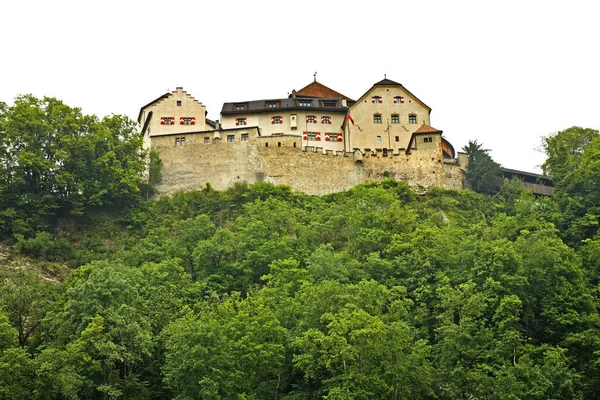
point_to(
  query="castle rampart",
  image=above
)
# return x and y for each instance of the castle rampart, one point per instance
(223, 157)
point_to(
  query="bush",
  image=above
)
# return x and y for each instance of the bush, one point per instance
(44, 245)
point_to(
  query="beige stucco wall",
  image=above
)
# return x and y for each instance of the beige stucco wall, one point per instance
(364, 133)
(263, 120)
(190, 107)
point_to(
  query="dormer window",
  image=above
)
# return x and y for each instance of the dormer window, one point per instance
(398, 99)
(304, 103)
(272, 104)
(330, 103)
(240, 121)
(239, 107)
(376, 99)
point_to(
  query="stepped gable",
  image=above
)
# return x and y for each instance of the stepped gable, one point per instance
(162, 97)
(316, 89)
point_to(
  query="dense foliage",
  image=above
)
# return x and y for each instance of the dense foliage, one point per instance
(483, 173)
(574, 165)
(55, 161)
(259, 292)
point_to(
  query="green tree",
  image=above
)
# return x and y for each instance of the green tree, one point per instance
(26, 297)
(573, 163)
(54, 160)
(8, 334)
(232, 349)
(483, 173)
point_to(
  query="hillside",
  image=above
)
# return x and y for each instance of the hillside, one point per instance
(261, 292)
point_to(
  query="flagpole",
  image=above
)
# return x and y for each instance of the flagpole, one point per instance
(348, 125)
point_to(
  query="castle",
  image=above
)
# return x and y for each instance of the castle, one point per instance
(315, 140)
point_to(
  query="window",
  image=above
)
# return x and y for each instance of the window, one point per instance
(304, 103)
(311, 136)
(180, 141)
(230, 138)
(187, 121)
(395, 119)
(326, 120)
(376, 119)
(378, 139)
(178, 103)
(330, 103)
(240, 121)
(277, 134)
(272, 104)
(398, 99)
(206, 140)
(167, 120)
(412, 119)
(311, 119)
(376, 99)
(428, 140)
(397, 138)
(333, 137)
(239, 107)
(244, 137)
(277, 120)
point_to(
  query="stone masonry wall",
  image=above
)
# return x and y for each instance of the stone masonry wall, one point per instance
(283, 160)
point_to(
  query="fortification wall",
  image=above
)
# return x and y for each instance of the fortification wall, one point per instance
(217, 162)
(284, 160)
(455, 172)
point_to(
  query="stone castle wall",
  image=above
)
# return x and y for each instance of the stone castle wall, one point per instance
(287, 160)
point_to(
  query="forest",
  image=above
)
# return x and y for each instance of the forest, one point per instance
(110, 291)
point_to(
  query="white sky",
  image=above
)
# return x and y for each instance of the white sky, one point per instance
(504, 73)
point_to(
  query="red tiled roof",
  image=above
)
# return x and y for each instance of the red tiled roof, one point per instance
(315, 89)
(427, 129)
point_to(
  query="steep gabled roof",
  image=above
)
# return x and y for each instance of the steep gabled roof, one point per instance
(316, 89)
(389, 82)
(164, 96)
(211, 123)
(423, 130)
(147, 122)
(427, 129)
